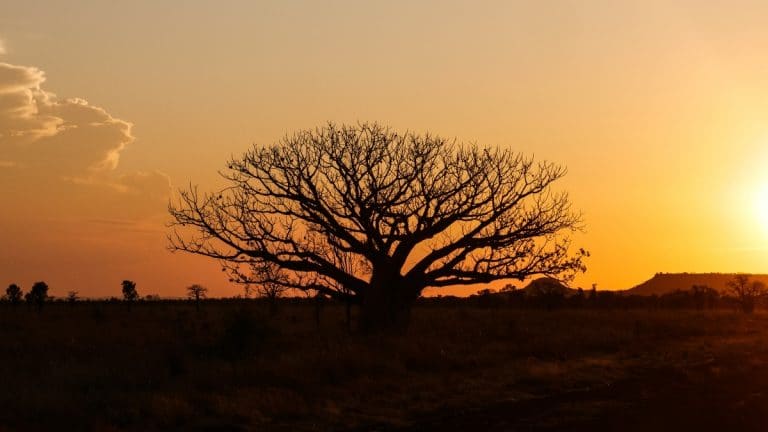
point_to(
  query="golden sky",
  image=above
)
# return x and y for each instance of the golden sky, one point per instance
(659, 109)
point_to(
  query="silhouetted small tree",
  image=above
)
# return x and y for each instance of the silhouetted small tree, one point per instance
(269, 279)
(747, 294)
(37, 295)
(486, 297)
(593, 293)
(129, 291)
(508, 288)
(72, 297)
(13, 294)
(197, 292)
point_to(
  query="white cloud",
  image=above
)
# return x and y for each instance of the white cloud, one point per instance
(68, 137)
(53, 142)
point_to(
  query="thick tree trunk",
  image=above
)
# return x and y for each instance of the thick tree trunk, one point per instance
(348, 314)
(386, 305)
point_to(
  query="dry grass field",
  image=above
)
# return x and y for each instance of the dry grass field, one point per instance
(234, 366)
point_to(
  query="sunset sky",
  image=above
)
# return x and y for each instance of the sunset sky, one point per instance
(659, 109)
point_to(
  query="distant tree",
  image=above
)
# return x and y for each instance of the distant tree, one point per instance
(593, 293)
(72, 297)
(485, 298)
(197, 292)
(37, 295)
(486, 292)
(129, 291)
(268, 279)
(13, 293)
(508, 288)
(747, 293)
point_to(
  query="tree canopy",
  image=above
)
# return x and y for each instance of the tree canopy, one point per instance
(367, 213)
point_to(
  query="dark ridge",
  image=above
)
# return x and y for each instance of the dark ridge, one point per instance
(664, 283)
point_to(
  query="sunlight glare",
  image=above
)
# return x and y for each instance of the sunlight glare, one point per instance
(761, 204)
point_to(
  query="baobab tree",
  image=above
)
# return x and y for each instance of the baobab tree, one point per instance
(130, 294)
(365, 214)
(197, 293)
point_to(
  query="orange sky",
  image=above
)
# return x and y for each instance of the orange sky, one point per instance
(659, 109)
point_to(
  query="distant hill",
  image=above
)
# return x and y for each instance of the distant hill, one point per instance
(543, 286)
(663, 283)
(547, 285)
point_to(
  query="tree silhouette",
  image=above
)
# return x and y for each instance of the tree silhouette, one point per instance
(13, 293)
(197, 292)
(408, 211)
(72, 298)
(268, 278)
(129, 291)
(747, 294)
(37, 295)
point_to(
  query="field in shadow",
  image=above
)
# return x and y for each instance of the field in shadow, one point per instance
(236, 366)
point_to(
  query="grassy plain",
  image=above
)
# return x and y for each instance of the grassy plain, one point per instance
(234, 366)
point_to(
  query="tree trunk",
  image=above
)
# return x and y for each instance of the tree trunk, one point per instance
(386, 305)
(348, 314)
(748, 305)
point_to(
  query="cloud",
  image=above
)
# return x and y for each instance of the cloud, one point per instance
(2, 47)
(69, 147)
(73, 215)
(21, 100)
(66, 137)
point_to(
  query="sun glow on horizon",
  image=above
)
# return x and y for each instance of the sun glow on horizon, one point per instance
(761, 207)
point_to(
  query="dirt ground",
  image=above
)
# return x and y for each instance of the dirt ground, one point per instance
(235, 366)
(704, 383)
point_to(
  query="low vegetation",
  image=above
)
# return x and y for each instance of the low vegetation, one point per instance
(234, 365)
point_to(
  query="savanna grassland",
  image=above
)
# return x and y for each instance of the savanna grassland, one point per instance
(233, 365)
